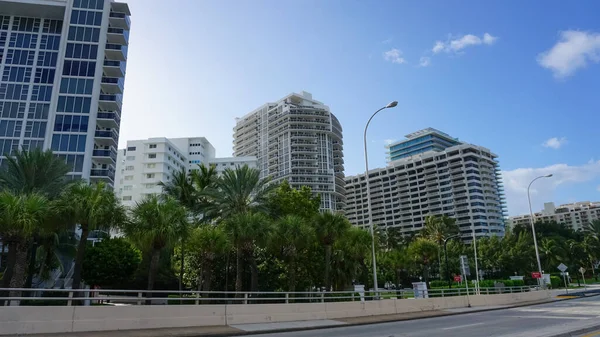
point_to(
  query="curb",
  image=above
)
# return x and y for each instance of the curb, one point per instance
(442, 314)
(578, 332)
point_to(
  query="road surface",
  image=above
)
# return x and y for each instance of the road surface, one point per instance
(532, 321)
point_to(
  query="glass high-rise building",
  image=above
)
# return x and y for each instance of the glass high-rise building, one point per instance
(62, 68)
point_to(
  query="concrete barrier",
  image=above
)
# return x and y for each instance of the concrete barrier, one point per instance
(30, 320)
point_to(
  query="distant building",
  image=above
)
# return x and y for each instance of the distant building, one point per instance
(432, 174)
(143, 164)
(575, 215)
(296, 139)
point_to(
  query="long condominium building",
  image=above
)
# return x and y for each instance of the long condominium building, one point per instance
(431, 173)
(143, 164)
(62, 67)
(575, 215)
(296, 139)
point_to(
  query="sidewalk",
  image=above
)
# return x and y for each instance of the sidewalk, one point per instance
(249, 329)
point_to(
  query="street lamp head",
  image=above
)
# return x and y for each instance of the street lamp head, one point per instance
(392, 104)
(548, 176)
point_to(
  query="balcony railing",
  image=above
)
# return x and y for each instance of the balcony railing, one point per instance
(107, 134)
(112, 153)
(103, 173)
(123, 16)
(115, 68)
(117, 81)
(119, 34)
(109, 115)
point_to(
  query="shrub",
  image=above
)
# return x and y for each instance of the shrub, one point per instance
(555, 281)
(438, 284)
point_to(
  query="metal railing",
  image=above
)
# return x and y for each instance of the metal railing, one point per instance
(69, 297)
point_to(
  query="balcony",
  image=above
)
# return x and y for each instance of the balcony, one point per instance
(119, 20)
(113, 85)
(110, 102)
(114, 68)
(106, 175)
(107, 137)
(108, 120)
(115, 52)
(105, 156)
(118, 36)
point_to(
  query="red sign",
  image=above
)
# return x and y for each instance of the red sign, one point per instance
(536, 274)
(457, 278)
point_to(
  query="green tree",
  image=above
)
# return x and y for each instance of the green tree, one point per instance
(206, 244)
(27, 172)
(348, 261)
(156, 223)
(422, 253)
(292, 235)
(111, 263)
(438, 228)
(20, 216)
(92, 207)
(248, 231)
(285, 200)
(551, 253)
(53, 245)
(329, 227)
(238, 191)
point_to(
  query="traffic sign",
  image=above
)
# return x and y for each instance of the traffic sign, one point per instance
(562, 267)
(536, 274)
(457, 278)
(582, 270)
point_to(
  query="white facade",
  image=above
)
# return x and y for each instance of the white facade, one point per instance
(299, 140)
(145, 163)
(575, 215)
(461, 181)
(62, 68)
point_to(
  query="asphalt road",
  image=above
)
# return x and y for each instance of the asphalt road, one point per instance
(533, 321)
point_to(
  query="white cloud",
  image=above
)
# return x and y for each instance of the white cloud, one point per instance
(555, 143)
(489, 39)
(394, 55)
(573, 51)
(458, 44)
(438, 47)
(424, 61)
(389, 141)
(516, 182)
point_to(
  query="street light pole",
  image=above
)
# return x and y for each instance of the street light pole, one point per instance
(390, 105)
(446, 257)
(537, 253)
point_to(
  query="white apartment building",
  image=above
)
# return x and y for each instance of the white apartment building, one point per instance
(62, 68)
(143, 164)
(457, 179)
(575, 215)
(296, 139)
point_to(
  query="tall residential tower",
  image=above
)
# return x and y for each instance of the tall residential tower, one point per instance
(62, 66)
(299, 140)
(432, 173)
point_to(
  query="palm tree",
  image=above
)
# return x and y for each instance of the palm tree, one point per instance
(593, 229)
(156, 223)
(349, 256)
(438, 228)
(551, 253)
(20, 216)
(238, 191)
(34, 171)
(208, 243)
(329, 227)
(26, 172)
(291, 236)
(247, 231)
(92, 207)
(422, 252)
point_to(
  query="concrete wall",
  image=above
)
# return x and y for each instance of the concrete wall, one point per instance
(30, 320)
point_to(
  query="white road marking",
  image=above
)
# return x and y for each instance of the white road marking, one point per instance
(551, 317)
(462, 326)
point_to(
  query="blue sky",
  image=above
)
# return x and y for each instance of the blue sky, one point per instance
(519, 77)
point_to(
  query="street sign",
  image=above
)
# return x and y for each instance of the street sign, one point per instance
(457, 278)
(582, 270)
(536, 274)
(464, 265)
(562, 267)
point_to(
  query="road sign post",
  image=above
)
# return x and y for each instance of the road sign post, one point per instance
(457, 278)
(536, 274)
(563, 269)
(464, 266)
